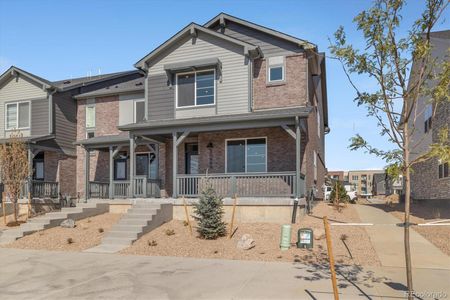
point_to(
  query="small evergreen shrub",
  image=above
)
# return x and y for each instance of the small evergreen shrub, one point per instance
(209, 213)
(170, 232)
(152, 243)
(341, 197)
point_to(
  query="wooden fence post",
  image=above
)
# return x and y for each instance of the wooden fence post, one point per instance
(331, 258)
(187, 215)
(232, 217)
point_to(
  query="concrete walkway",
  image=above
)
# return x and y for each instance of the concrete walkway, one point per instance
(31, 274)
(387, 239)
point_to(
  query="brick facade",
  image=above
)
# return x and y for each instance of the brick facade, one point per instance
(106, 122)
(292, 92)
(61, 168)
(425, 181)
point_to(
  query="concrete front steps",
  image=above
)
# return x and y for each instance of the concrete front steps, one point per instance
(141, 218)
(53, 219)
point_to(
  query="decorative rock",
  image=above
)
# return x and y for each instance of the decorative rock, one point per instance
(246, 242)
(68, 223)
(319, 234)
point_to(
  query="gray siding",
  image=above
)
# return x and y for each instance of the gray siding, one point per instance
(232, 93)
(17, 90)
(269, 44)
(161, 98)
(39, 117)
(65, 118)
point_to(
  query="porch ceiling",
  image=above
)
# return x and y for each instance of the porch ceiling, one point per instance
(259, 119)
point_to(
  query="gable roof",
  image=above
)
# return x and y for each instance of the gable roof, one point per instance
(68, 84)
(222, 17)
(191, 29)
(14, 71)
(133, 85)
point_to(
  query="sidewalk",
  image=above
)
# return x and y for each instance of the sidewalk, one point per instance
(388, 241)
(31, 274)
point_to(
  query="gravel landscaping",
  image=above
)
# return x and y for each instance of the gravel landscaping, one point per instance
(267, 238)
(87, 233)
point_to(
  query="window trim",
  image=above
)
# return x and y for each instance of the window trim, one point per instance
(85, 116)
(35, 161)
(135, 110)
(117, 160)
(442, 165)
(17, 116)
(195, 89)
(269, 66)
(245, 154)
(135, 161)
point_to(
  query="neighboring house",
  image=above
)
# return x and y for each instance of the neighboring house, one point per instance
(384, 185)
(243, 105)
(45, 114)
(363, 180)
(337, 175)
(430, 179)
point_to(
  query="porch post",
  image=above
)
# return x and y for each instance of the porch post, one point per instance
(132, 165)
(111, 172)
(174, 164)
(298, 164)
(87, 158)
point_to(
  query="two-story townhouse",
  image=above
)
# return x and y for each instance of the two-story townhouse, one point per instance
(45, 115)
(430, 179)
(237, 103)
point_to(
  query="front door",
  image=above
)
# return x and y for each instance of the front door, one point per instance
(192, 158)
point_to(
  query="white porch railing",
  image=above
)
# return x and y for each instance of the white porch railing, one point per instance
(245, 185)
(40, 189)
(143, 187)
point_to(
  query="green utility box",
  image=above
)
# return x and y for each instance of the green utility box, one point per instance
(285, 242)
(305, 238)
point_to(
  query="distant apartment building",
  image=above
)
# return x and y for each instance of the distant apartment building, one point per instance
(383, 184)
(430, 179)
(362, 180)
(337, 175)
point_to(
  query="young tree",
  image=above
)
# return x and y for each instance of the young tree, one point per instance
(209, 213)
(14, 167)
(339, 195)
(404, 72)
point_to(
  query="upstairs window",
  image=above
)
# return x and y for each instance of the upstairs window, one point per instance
(275, 69)
(427, 116)
(443, 170)
(90, 116)
(139, 111)
(196, 88)
(18, 115)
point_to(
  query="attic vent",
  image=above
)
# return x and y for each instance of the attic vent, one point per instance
(67, 82)
(139, 83)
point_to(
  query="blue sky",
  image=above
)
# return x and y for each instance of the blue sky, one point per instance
(63, 39)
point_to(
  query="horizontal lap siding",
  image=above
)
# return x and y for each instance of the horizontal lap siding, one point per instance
(232, 92)
(269, 44)
(161, 98)
(65, 114)
(39, 117)
(17, 90)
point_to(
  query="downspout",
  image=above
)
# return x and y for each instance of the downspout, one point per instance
(250, 85)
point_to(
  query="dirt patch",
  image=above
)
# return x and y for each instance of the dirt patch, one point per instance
(267, 238)
(85, 235)
(10, 221)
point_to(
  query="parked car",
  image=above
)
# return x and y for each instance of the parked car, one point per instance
(351, 193)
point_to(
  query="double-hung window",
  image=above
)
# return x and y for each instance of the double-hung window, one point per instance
(246, 155)
(275, 69)
(18, 115)
(90, 116)
(139, 110)
(196, 88)
(443, 170)
(428, 116)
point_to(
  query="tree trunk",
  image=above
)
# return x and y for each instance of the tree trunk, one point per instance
(14, 203)
(407, 174)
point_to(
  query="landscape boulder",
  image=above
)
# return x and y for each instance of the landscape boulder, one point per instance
(246, 242)
(68, 223)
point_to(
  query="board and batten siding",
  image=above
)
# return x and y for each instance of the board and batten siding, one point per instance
(65, 116)
(232, 93)
(269, 44)
(18, 89)
(126, 107)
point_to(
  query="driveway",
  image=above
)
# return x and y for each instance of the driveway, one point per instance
(387, 240)
(30, 274)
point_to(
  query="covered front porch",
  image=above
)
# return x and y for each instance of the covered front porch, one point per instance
(257, 155)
